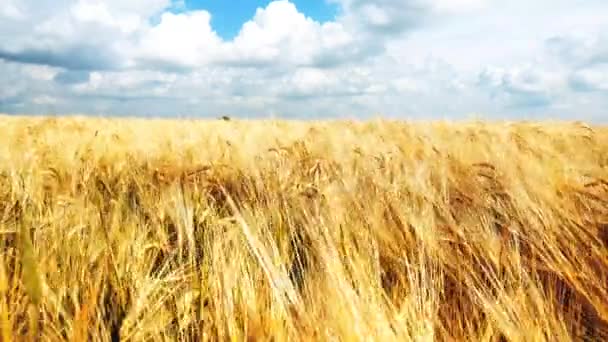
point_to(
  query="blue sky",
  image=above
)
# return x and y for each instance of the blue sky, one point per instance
(229, 16)
(412, 59)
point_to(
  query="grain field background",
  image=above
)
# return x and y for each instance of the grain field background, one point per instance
(133, 230)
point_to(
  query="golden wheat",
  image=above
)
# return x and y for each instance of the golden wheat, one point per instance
(230, 230)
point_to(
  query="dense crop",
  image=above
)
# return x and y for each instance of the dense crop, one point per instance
(219, 230)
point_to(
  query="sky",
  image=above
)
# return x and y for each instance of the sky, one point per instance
(410, 59)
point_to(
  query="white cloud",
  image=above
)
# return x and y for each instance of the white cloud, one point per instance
(40, 72)
(527, 86)
(44, 100)
(98, 13)
(375, 15)
(590, 79)
(125, 83)
(10, 9)
(280, 34)
(185, 39)
(311, 81)
(83, 34)
(580, 49)
(20, 83)
(459, 5)
(382, 18)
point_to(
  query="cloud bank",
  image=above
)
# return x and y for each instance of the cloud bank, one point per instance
(399, 58)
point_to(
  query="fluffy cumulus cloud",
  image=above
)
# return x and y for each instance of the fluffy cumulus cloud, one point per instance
(185, 40)
(279, 34)
(401, 58)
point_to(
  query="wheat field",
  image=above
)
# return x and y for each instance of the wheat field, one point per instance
(149, 230)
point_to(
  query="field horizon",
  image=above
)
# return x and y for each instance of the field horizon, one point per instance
(204, 229)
